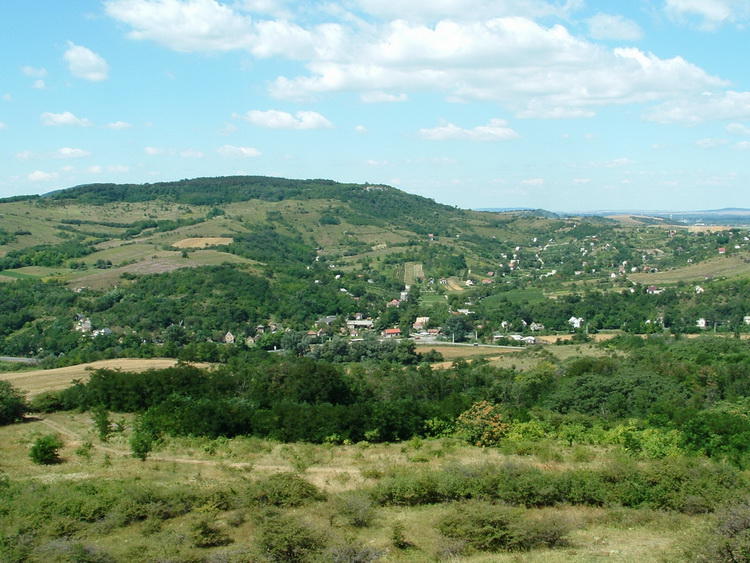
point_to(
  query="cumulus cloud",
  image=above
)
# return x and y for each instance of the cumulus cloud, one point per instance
(709, 14)
(67, 152)
(533, 181)
(606, 26)
(376, 97)
(468, 50)
(40, 176)
(274, 119)
(3, 125)
(737, 129)
(192, 153)
(84, 63)
(710, 143)
(155, 151)
(118, 125)
(495, 130)
(238, 152)
(708, 106)
(189, 26)
(60, 119)
(34, 72)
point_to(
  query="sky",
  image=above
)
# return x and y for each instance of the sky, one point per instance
(564, 105)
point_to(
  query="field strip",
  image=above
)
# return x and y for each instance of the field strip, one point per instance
(41, 380)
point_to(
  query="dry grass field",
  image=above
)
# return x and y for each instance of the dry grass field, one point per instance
(40, 380)
(201, 242)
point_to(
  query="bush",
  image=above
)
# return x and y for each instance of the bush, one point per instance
(356, 508)
(44, 450)
(284, 490)
(283, 538)
(482, 425)
(12, 403)
(489, 527)
(728, 540)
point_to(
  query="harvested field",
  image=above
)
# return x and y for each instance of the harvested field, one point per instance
(201, 242)
(40, 380)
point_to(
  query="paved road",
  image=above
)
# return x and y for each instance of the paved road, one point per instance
(19, 360)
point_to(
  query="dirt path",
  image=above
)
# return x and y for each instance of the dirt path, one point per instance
(316, 473)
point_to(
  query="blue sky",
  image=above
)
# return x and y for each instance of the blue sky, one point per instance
(566, 105)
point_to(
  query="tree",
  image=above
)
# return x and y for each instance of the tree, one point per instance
(458, 327)
(12, 404)
(44, 450)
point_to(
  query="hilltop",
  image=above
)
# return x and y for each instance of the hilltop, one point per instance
(250, 258)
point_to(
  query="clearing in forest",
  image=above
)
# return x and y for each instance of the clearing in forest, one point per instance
(201, 242)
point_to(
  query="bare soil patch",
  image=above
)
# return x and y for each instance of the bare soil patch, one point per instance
(40, 380)
(201, 242)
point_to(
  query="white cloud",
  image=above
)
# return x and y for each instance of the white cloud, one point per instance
(34, 72)
(274, 119)
(533, 181)
(40, 176)
(376, 97)
(3, 125)
(118, 169)
(531, 69)
(495, 130)
(605, 26)
(468, 50)
(358, 129)
(710, 143)
(706, 107)
(737, 129)
(467, 9)
(743, 145)
(84, 63)
(235, 152)
(65, 118)
(709, 13)
(155, 151)
(189, 26)
(40, 84)
(118, 125)
(192, 153)
(95, 169)
(67, 152)
(581, 180)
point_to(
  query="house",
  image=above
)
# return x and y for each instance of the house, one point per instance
(392, 332)
(653, 290)
(701, 323)
(722, 250)
(536, 327)
(746, 319)
(393, 303)
(420, 323)
(576, 322)
(469, 283)
(83, 325)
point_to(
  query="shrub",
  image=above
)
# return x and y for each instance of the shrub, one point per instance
(354, 553)
(482, 425)
(490, 527)
(284, 490)
(12, 403)
(283, 538)
(728, 539)
(44, 450)
(206, 534)
(356, 508)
